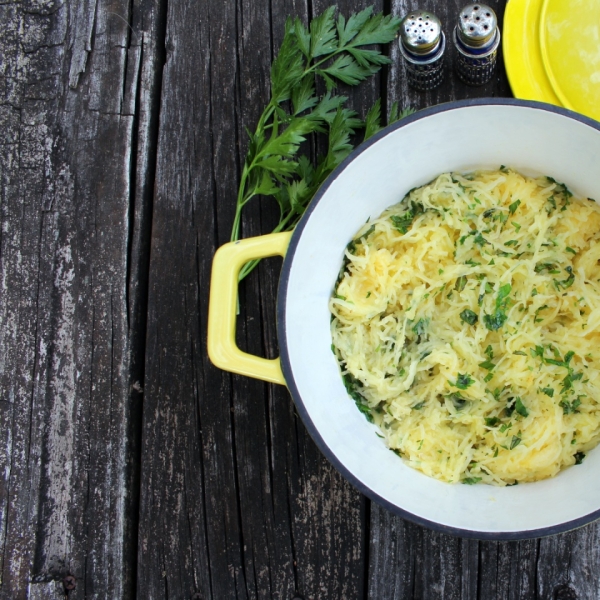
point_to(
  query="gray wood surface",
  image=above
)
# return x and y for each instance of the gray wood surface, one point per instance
(127, 461)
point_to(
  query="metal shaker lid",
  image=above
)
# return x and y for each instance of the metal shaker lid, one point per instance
(420, 32)
(477, 24)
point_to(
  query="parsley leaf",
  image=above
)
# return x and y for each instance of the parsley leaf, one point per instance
(463, 381)
(513, 207)
(468, 316)
(353, 386)
(460, 284)
(488, 365)
(520, 408)
(330, 50)
(496, 320)
(470, 480)
(403, 222)
(420, 326)
(570, 408)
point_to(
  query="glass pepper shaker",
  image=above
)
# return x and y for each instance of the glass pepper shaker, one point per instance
(422, 45)
(476, 37)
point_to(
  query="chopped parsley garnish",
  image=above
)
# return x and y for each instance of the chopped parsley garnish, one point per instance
(567, 382)
(516, 225)
(488, 365)
(496, 320)
(569, 249)
(548, 391)
(463, 381)
(521, 408)
(472, 263)
(460, 284)
(549, 267)
(480, 240)
(470, 480)
(420, 326)
(492, 421)
(570, 408)
(489, 352)
(403, 222)
(539, 310)
(565, 283)
(537, 351)
(516, 440)
(352, 387)
(418, 406)
(468, 316)
(578, 456)
(510, 407)
(511, 243)
(513, 207)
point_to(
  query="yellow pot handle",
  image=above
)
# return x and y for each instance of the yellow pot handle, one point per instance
(222, 308)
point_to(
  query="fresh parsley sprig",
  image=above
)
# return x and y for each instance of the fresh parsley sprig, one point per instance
(330, 50)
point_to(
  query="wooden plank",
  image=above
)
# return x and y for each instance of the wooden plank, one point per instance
(236, 499)
(189, 541)
(68, 498)
(322, 505)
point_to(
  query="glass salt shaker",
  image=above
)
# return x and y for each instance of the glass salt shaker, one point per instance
(477, 38)
(422, 45)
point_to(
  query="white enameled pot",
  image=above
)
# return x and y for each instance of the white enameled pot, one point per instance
(533, 138)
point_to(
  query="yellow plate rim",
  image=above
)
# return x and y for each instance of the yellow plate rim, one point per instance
(522, 53)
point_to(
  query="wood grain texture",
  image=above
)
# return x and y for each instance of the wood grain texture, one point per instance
(236, 499)
(70, 105)
(126, 459)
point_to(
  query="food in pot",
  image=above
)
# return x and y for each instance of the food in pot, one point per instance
(466, 325)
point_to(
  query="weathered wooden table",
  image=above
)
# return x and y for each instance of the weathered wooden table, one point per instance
(130, 466)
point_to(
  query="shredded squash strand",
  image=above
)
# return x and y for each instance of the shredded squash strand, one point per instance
(466, 324)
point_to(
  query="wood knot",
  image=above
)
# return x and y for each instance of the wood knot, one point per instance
(565, 592)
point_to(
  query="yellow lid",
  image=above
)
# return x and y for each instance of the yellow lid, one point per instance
(552, 52)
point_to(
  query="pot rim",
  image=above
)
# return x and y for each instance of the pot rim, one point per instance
(282, 334)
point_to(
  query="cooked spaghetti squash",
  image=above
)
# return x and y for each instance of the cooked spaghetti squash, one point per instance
(466, 324)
